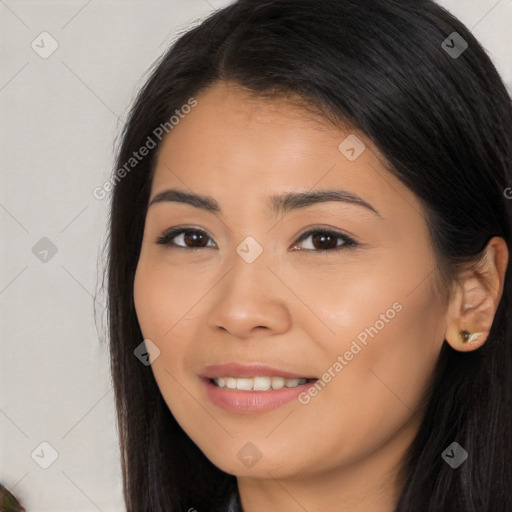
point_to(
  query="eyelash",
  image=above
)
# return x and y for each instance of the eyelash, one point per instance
(348, 242)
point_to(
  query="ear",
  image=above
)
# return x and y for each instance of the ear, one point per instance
(476, 298)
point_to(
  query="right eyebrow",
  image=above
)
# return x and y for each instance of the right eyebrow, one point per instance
(196, 200)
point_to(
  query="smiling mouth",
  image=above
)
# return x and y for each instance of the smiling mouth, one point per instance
(263, 383)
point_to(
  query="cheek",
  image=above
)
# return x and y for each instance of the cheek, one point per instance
(161, 298)
(385, 333)
(160, 307)
(167, 309)
(148, 301)
(388, 349)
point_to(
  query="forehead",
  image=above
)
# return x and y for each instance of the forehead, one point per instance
(229, 126)
(258, 106)
(234, 146)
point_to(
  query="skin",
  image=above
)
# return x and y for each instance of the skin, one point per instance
(298, 309)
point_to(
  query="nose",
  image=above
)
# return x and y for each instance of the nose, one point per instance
(248, 299)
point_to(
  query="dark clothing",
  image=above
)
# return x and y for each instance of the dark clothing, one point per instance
(234, 504)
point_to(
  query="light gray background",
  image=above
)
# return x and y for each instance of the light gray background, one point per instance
(60, 117)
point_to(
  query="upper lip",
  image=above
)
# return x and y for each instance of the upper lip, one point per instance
(248, 370)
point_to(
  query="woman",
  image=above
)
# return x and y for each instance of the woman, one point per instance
(309, 260)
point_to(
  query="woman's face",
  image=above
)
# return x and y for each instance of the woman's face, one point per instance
(255, 288)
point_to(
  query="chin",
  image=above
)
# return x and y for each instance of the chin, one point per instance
(265, 467)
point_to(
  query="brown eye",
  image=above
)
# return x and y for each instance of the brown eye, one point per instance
(185, 238)
(326, 240)
(194, 238)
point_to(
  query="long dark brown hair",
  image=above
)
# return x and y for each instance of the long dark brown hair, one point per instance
(444, 124)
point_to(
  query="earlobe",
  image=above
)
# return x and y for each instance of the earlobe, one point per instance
(473, 305)
(470, 337)
(464, 340)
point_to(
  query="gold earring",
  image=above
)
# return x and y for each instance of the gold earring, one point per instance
(468, 337)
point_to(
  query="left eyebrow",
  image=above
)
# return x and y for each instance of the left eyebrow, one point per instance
(294, 200)
(277, 204)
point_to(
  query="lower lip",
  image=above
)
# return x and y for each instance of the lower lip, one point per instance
(235, 400)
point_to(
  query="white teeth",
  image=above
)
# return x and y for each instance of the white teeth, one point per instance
(244, 384)
(277, 382)
(260, 383)
(257, 383)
